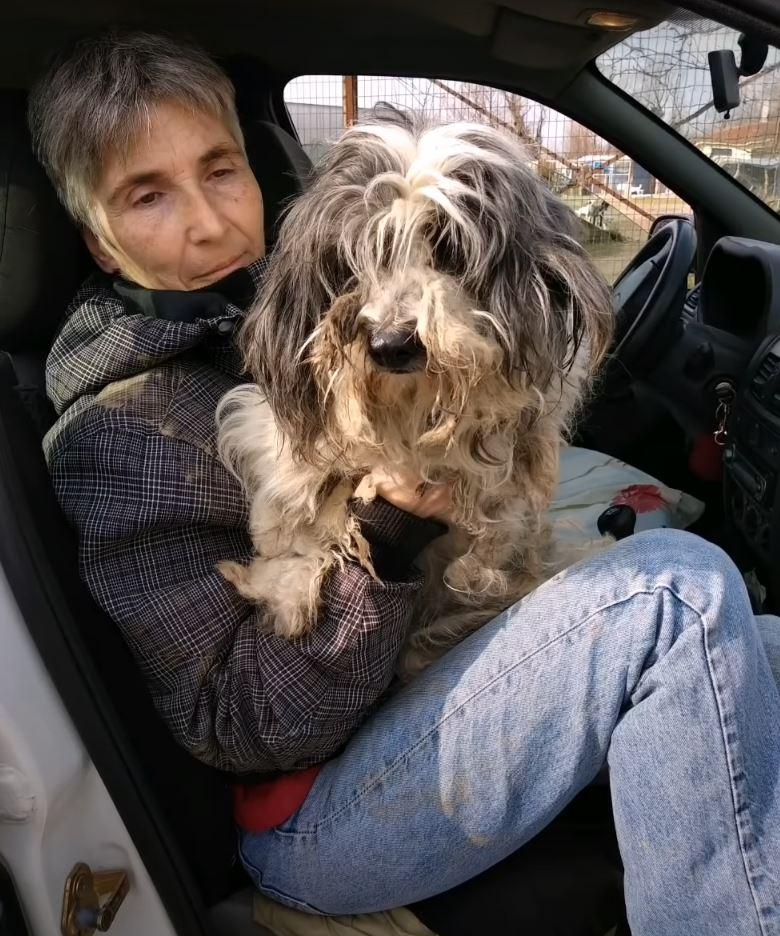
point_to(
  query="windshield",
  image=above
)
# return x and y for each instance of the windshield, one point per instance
(666, 69)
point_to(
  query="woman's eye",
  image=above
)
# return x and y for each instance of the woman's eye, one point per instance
(148, 199)
(222, 173)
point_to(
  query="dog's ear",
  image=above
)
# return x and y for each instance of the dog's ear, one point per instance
(520, 257)
(578, 292)
(303, 279)
(562, 307)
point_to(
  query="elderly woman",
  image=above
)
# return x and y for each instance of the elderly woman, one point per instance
(648, 657)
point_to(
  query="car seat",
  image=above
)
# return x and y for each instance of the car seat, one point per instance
(566, 881)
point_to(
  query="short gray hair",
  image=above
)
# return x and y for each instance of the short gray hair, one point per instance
(97, 96)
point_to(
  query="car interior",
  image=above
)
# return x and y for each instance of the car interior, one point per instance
(689, 362)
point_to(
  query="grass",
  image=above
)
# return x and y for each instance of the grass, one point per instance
(612, 256)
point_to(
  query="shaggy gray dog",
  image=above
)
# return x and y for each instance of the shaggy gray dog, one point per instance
(427, 306)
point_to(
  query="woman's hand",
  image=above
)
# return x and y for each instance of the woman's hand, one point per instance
(405, 490)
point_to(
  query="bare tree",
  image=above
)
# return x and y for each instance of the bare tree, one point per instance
(583, 142)
(526, 119)
(665, 69)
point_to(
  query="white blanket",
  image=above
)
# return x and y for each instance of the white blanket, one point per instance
(591, 482)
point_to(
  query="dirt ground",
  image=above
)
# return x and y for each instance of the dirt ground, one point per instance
(612, 255)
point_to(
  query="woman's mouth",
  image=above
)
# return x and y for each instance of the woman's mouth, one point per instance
(223, 269)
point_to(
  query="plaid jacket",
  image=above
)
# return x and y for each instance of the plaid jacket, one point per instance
(135, 376)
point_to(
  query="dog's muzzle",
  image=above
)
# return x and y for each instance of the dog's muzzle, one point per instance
(399, 352)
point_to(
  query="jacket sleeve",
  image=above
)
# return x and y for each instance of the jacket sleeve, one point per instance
(154, 515)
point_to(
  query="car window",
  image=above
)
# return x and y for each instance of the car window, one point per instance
(666, 69)
(615, 198)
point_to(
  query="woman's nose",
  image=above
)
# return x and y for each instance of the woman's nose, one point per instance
(207, 222)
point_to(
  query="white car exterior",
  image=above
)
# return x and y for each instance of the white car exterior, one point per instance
(54, 808)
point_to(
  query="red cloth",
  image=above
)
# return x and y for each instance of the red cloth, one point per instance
(263, 806)
(706, 459)
(641, 498)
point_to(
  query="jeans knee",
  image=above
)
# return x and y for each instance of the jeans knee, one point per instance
(679, 547)
(683, 559)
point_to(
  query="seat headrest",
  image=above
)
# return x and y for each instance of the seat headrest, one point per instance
(42, 256)
(281, 167)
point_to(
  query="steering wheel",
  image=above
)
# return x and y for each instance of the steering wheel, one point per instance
(649, 295)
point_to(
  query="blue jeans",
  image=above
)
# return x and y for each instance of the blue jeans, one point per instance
(648, 658)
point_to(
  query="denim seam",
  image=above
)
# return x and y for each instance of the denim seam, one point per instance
(727, 752)
(444, 718)
(269, 890)
(280, 896)
(739, 801)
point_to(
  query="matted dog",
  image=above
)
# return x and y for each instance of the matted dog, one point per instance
(427, 306)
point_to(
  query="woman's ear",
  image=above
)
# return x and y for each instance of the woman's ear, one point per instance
(100, 255)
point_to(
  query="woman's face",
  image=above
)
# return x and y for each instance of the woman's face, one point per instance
(182, 208)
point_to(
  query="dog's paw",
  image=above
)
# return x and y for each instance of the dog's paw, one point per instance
(366, 490)
(239, 576)
(288, 587)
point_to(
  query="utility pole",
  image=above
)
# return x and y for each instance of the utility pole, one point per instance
(350, 103)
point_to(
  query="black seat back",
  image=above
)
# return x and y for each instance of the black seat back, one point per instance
(281, 166)
(42, 258)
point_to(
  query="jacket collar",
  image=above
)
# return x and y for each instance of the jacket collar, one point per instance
(237, 289)
(115, 330)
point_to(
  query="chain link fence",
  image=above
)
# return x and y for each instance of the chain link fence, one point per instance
(666, 69)
(615, 199)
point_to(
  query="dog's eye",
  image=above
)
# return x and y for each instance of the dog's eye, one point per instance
(446, 256)
(336, 272)
(569, 336)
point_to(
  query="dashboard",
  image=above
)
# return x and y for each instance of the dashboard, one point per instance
(722, 371)
(740, 288)
(752, 456)
(731, 335)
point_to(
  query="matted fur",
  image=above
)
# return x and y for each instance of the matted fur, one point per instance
(446, 232)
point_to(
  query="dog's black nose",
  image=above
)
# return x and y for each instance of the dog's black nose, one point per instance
(397, 351)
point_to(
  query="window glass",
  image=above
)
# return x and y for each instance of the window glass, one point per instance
(666, 69)
(615, 199)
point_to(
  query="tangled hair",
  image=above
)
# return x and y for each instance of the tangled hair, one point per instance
(97, 96)
(461, 200)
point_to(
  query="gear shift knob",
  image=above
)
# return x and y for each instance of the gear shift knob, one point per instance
(619, 520)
